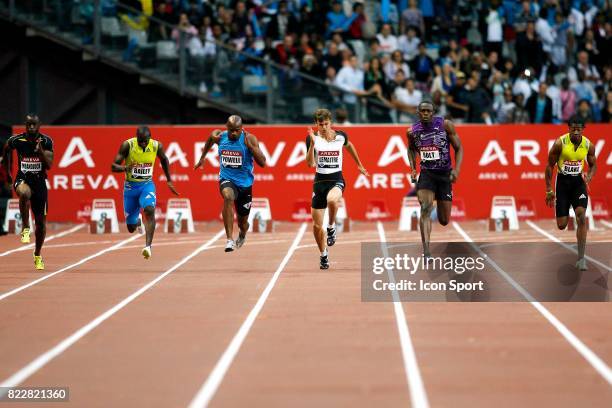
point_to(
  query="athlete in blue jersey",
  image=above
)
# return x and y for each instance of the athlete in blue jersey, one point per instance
(237, 150)
(432, 137)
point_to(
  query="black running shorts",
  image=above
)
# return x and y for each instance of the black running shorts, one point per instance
(242, 196)
(38, 200)
(438, 182)
(320, 189)
(570, 190)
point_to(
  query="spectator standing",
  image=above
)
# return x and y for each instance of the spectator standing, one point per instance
(422, 65)
(337, 21)
(408, 44)
(445, 81)
(478, 102)
(494, 28)
(386, 39)
(567, 96)
(350, 79)
(413, 17)
(406, 99)
(529, 49)
(540, 106)
(456, 100)
(282, 23)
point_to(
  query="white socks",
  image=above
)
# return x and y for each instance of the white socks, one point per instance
(324, 253)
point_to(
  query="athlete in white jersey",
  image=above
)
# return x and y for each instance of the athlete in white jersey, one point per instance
(325, 148)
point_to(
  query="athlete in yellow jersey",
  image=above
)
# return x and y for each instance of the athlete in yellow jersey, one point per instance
(139, 154)
(568, 155)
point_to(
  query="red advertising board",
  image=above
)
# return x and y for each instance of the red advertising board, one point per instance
(498, 160)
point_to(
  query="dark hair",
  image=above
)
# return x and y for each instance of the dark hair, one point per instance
(425, 102)
(322, 114)
(576, 120)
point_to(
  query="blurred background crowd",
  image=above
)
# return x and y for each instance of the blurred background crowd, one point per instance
(495, 61)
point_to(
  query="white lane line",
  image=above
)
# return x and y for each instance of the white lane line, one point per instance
(42, 360)
(566, 246)
(65, 268)
(606, 223)
(210, 386)
(51, 238)
(250, 242)
(597, 363)
(418, 395)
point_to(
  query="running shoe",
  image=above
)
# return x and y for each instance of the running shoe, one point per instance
(38, 263)
(230, 245)
(581, 265)
(25, 236)
(331, 236)
(324, 262)
(240, 241)
(146, 252)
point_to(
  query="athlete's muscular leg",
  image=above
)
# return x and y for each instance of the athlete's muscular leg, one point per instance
(149, 220)
(581, 230)
(426, 200)
(228, 211)
(562, 222)
(243, 224)
(25, 194)
(317, 228)
(41, 232)
(444, 211)
(333, 200)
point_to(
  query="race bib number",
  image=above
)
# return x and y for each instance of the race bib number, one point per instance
(231, 159)
(429, 153)
(328, 159)
(31, 165)
(572, 167)
(142, 170)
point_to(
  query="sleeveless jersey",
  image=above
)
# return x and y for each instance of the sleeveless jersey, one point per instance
(236, 160)
(29, 163)
(328, 156)
(571, 160)
(432, 143)
(142, 161)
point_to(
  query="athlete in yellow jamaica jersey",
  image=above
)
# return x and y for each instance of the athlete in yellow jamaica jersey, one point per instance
(568, 155)
(139, 154)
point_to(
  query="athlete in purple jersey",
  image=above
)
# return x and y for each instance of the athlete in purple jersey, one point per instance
(431, 138)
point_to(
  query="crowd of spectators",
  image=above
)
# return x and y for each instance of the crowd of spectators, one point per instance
(489, 61)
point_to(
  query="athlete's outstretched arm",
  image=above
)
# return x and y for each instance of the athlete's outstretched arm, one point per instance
(44, 154)
(117, 166)
(310, 158)
(456, 143)
(553, 157)
(351, 149)
(592, 160)
(253, 145)
(214, 138)
(412, 154)
(165, 163)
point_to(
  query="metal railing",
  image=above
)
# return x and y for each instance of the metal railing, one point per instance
(216, 73)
